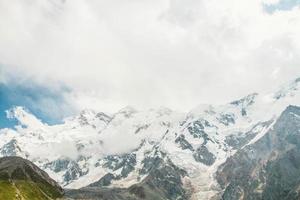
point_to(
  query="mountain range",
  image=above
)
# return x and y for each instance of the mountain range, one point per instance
(245, 149)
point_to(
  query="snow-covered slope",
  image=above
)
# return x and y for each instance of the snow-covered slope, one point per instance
(117, 150)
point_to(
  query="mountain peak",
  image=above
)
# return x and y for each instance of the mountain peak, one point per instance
(103, 117)
(24, 117)
(245, 101)
(288, 89)
(89, 117)
(127, 111)
(161, 110)
(11, 148)
(295, 110)
(85, 112)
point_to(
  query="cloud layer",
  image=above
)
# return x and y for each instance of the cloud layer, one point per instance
(174, 53)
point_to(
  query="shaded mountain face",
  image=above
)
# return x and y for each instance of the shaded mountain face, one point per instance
(163, 181)
(20, 179)
(157, 153)
(268, 168)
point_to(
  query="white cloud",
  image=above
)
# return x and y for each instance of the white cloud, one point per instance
(175, 53)
(271, 1)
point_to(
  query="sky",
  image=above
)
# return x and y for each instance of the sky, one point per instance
(283, 5)
(58, 57)
(48, 104)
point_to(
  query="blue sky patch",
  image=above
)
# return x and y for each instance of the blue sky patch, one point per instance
(46, 104)
(281, 5)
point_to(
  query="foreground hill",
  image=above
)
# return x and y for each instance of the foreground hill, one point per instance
(22, 180)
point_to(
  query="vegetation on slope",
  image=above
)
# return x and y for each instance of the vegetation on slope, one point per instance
(22, 180)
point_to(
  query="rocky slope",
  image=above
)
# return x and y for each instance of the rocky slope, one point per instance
(268, 168)
(22, 180)
(129, 153)
(163, 181)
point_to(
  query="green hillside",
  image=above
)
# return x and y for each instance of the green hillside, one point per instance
(22, 180)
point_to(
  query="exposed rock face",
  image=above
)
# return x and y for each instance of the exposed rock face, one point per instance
(21, 179)
(11, 148)
(196, 129)
(204, 156)
(245, 102)
(124, 162)
(226, 119)
(269, 168)
(70, 169)
(164, 181)
(184, 144)
(104, 181)
(237, 141)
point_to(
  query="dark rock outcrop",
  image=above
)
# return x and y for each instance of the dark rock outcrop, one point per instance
(268, 169)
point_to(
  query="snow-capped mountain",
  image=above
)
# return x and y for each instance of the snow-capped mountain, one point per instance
(124, 149)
